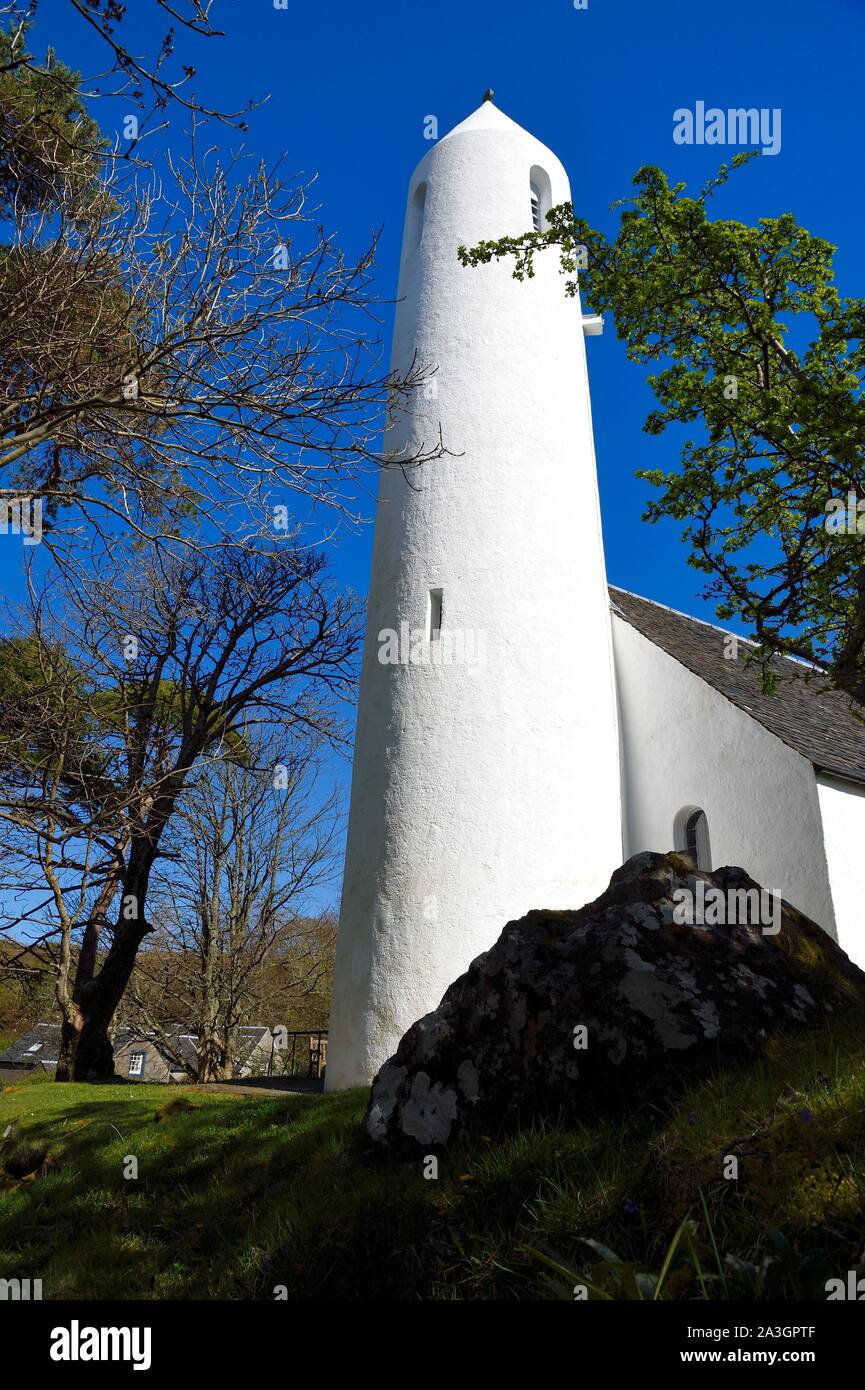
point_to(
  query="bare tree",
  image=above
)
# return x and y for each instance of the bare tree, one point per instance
(254, 839)
(187, 343)
(189, 346)
(152, 82)
(186, 359)
(121, 696)
(289, 989)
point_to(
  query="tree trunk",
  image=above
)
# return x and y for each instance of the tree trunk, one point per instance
(90, 1054)
(70, 1032)
(229, 1052)
(86, 1052)
(94, 1053)
(210, 1049)
(210, 1056)
(73, 1016)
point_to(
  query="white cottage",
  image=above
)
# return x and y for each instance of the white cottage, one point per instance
(521, 728)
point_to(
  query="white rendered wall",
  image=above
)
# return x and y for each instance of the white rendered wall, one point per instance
(684, 744)
(478, 792)
(843, 807)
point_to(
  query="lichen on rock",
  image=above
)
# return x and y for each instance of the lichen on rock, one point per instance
(599, 1009)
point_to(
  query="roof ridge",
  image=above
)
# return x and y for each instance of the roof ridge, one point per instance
(715, 627)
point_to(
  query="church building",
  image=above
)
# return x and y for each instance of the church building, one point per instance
(522, 727)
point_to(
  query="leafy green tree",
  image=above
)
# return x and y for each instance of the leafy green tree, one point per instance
(49, 147)
(758, 354)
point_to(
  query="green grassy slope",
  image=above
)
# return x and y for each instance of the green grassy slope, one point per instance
(239, 1195)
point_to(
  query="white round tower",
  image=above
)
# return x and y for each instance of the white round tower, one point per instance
(486, 777)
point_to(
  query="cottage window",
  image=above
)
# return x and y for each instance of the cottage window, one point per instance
(136, 1063)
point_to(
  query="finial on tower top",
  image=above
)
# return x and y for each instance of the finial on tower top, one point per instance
(489, 94)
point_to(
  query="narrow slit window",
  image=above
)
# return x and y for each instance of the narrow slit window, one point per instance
(435, 614)
(417, 209)
(536, 206)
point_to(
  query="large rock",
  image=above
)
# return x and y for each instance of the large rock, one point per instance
(660, 1001)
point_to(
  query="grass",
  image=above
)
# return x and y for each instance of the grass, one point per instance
(236, 1196)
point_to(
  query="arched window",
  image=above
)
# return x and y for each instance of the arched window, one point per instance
(540, 197)
(692, 836)
(414, 221)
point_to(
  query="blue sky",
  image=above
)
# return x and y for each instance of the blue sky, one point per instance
(349, 87)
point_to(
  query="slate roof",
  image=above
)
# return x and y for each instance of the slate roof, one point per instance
(181, 1044)
(184, 1044)
(39, 1047)
(45, 1038)
(250, 1037)
(805, 713)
